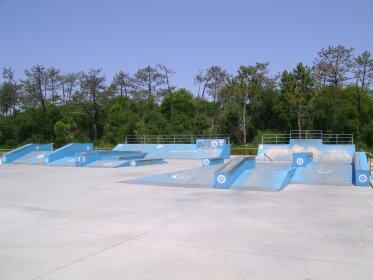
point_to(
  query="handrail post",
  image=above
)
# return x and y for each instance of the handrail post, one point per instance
(276, 139)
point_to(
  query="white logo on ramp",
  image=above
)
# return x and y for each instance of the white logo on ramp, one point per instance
(178, 177)
(300, 161)
(222, 179)
(214, 144)
(363, 178)
(88, 148)
(133, 163)
(40, 156)
(159, 146)
(206, 162)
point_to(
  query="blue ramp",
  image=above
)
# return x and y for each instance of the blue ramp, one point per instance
(33, 158)
(266, 176)
(28, 154)
(325, 173)
(101, 158)
(202, 177)
(65, 156)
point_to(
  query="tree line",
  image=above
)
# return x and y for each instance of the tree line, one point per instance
(334, 95)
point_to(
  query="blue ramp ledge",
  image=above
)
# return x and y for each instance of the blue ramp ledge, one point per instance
(20, 152)
(225, 176)
(106, 158)
(361, 172)
(212, 161)
(302, 159)
(67, 151)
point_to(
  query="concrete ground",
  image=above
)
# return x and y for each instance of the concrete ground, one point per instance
(79, 223)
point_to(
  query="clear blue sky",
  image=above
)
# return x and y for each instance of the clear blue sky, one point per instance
(185, 35)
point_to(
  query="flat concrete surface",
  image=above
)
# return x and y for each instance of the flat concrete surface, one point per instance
(79, 223)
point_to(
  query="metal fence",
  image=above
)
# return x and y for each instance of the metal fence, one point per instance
(244, 151)
(173, 139)
(307, 134)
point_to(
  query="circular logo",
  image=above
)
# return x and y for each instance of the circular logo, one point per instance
(214, 143)
(133, 163)
(363, 178)
(77, 159)
(88, 148)
(222, 179)
(46, 160)
(206, 162)
(300, 161)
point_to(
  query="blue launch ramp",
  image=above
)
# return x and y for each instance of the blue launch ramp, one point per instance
(112, 159)
(201, 177)
(265, 177)
(65, 156)
(203, 148)
(325, 173)
(28, 154)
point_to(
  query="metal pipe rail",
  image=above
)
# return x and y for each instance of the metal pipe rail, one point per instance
(308, 134)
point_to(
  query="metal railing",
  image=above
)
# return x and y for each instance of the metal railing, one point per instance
(275, 138)
(173, 139)
(338, 139)
(307, 134)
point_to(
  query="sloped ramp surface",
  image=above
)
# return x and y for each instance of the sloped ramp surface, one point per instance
(108, 163)
(202, 177)
(325, 173)
(36, 157)
(266, 176)
(66, 161)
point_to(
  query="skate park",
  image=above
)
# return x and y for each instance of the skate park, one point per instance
(297, 157)
(295, 207)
